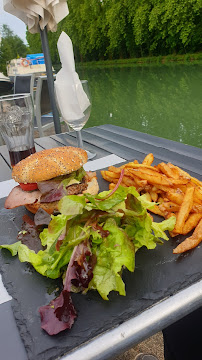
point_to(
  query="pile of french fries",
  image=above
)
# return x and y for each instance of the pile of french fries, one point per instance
(175, 191)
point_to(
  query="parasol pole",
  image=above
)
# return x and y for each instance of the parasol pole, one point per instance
(50, 80)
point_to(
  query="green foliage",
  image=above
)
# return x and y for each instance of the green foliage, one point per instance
(11, 47)
(118, 29)
(34, 42)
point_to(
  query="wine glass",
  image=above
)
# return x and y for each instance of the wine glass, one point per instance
(78, 124)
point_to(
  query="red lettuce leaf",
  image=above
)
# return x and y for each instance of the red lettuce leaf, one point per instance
(41, 217)
(54, 195)
(49, 185)
(80, 268)
(29, 235)
(60, 314)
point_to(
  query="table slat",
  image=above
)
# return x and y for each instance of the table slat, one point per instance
(47, 142)
(180, 148)
(71, 141)
(9, 331)
(127, 148)
(5, 172)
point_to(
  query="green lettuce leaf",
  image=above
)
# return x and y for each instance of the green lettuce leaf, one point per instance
(114, 252)
(55, 228)
(159, 228)
(13, 248)
(116, 198)
(71, 205)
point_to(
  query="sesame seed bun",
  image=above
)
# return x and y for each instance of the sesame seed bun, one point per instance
(47, 164)
(92, 189)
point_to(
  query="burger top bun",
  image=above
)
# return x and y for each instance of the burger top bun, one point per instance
(48, 164)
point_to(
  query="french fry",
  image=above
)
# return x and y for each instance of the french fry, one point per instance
(191, 242)
(152, 178)
(184, 210)
(109, 178)
(198, 195)
(154, 196)
(191, 222)
(197, 208)
(139, 182)
(170, 215)
(148, 160)
(112, 174)
(155, 209)
(176, 192)
(184, 173)
(128, 181)
(175, 170)
(125, 165)
(169, 206)
(172, 234)
(181, 181)
(160, 200)
(165, 188)
(168, 171)
(112, 186)
(176, 197)
(137, 166)
(114, 169)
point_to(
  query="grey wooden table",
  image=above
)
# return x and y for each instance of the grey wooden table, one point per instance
(128, 144)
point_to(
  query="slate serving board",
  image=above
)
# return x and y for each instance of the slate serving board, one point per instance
(158, 274)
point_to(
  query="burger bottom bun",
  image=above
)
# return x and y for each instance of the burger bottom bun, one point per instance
(92, 189)
(48, 207)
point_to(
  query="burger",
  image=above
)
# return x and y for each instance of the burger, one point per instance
(45, 177)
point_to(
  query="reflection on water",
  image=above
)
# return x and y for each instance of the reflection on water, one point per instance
(164, 100)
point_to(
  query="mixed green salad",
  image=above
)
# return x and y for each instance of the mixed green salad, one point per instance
(89, 243)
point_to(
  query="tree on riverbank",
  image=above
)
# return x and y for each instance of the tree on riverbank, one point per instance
(103, 29)
(11, 47)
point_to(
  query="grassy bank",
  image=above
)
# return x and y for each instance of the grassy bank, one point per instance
(181, 59)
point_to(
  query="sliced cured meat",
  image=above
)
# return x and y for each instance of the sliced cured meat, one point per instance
(18, 197)
(54, 194)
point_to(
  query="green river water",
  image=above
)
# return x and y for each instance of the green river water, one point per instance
(161, 100)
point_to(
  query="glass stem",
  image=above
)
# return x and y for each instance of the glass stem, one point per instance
(79, 139)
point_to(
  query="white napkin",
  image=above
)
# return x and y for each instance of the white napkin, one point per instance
(51, 12)
(6, 187)
(103, 162)
(71, 98)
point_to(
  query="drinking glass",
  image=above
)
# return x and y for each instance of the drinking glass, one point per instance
(16, 125)
(77, 125)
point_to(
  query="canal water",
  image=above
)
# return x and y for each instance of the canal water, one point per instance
(161, 100)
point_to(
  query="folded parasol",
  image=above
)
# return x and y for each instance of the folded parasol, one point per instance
(35, 13)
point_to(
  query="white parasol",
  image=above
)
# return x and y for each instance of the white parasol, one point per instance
(40, 16)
